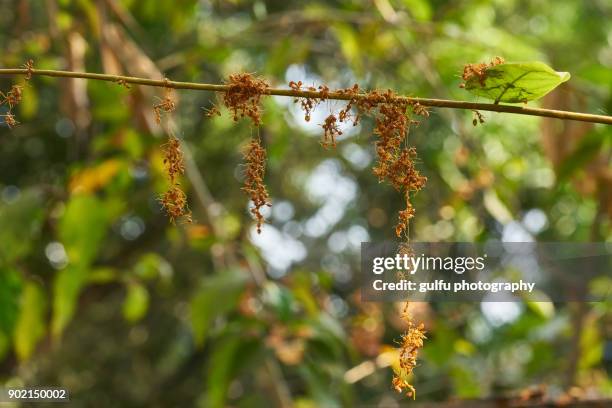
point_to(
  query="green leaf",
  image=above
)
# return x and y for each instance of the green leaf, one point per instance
(218, 295)
(30, 326)
(591, 344)
(66, 288)
(4, 345)
(10, 291)
(516, 82)
(20, 223)
(221, 371)
(82, 228)
(230, 355)
(136, 302)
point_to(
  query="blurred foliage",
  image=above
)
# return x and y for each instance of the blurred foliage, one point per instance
(100, 294)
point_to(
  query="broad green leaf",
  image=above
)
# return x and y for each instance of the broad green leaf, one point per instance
(20, 224)
(218, 295)
(231, 354)
(516, 82)
(4, 345)
(220, 371)
(591, 344)
(82, 228)
(10, 291)
(66, 288)
(30, 326)
(136, 302)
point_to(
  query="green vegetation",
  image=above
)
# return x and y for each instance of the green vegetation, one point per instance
(100, 294)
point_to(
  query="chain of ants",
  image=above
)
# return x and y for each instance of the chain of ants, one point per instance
(243, 100)
(395, 165)
(395, 159)
(13, 97)
(412, 339)
(174, 200)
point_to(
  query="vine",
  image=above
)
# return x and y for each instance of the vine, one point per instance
(428, 102)
(393, 116)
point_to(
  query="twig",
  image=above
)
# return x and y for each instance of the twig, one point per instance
(439, 103)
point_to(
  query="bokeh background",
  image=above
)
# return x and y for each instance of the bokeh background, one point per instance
(100, 294)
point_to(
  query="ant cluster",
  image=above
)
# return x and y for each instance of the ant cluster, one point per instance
(395, 162)
(411, 341)
(309, 104)
(409, 345)
(479, 70)
(13, 97)
(395, 165)
(174, 200)
(243, 96)
(243, 99)
(255, 161)
(165, 105)
(395, 158)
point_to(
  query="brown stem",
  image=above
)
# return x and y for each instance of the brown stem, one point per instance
(439, 103)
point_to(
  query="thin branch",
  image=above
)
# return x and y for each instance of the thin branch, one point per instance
(438, 103)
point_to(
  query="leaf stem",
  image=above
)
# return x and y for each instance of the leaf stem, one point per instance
(438, 103)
